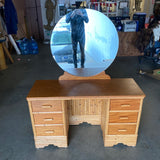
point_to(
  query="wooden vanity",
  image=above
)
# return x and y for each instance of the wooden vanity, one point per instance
(115, 104)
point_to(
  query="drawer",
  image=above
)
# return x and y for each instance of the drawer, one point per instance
(123, 117)
(52, 118)
(46, 106)
(49, 130)
(124, 104)
(121, 129)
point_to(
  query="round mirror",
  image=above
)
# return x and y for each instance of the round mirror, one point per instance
(84, 42)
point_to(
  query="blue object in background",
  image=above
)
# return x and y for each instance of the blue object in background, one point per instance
(28, 46)
(119, 25)
(137, 28)
(23, 46)
(34, 46)
(140, 17)
(157, 44)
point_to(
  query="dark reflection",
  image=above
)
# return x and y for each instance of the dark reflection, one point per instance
(77, 19)
(84, 42)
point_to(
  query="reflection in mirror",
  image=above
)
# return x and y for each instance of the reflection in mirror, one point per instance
(84, 42)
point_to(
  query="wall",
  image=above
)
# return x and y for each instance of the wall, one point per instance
(148, 7)
(47, 33)
(29, 18)
(33, 19)
(19, 5)
(32, 16)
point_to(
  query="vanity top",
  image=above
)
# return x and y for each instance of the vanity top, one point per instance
(85, 88)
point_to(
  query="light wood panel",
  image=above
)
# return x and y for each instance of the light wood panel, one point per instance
(65, 118)
(42, 141)
(90, 119)
(85, 110)
(139, 116)
(32, 119)
(111, 140)
(105, 117)
(85, 106)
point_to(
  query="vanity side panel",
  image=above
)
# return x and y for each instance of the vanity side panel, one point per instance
(32, 118)
(139, 116)
(105, 117)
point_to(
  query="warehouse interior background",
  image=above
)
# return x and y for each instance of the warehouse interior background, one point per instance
(18, 72)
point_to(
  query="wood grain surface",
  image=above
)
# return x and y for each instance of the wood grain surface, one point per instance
(125, 104)
(46, 106)
(49, 130)
(123, 117)
(121, 129)
(51, 118)
(54, 89)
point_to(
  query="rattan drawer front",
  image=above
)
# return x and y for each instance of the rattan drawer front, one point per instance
(46, 106)
(49, 130)
(123, 117)
(125, 104)
(52, 118)
(121, 129)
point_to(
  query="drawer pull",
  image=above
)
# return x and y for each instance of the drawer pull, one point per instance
(49, 132)
(46, 106)
(122, 130)
(125, 105)
(48, 119)
(123, 117)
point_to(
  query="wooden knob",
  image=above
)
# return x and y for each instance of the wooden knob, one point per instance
(48, 132)
(123, 117)
(125, 105)
(48, 119)
(122, 130)
(46, 106)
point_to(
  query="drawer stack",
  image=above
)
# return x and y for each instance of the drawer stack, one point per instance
(49, 122)
(124, 116)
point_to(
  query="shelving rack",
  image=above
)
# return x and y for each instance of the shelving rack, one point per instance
(109, 8)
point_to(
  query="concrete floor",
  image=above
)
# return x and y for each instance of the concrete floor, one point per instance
(85, 141)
